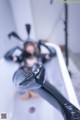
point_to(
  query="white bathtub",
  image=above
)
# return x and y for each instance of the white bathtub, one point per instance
(34, 109)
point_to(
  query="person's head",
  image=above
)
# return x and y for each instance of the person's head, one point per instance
(29, 47)
(32, 52)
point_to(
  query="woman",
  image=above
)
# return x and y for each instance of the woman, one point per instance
(29, 60)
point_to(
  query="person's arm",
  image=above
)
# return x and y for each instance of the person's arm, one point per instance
(14, 54)
(46, 57)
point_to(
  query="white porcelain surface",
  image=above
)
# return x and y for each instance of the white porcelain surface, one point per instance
(18, 109)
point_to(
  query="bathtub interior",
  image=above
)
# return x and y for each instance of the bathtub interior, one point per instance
(31, 109)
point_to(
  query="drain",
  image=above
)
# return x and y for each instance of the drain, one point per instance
(32, 109)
